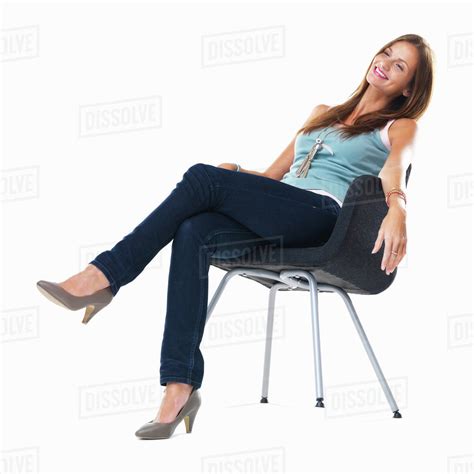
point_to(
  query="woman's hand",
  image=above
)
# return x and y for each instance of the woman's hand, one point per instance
(393, 231)
(228, 166)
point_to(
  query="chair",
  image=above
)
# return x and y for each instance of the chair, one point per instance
(343, 264)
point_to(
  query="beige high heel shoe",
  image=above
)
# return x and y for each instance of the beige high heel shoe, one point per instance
(156, 430)
(93, 303)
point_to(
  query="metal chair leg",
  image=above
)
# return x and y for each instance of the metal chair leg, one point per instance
(370, 352)
(268, 339)
(312, 286)
(220, 289)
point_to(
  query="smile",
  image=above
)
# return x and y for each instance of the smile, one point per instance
(379, 73)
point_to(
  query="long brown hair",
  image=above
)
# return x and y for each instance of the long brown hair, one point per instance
(413, 107)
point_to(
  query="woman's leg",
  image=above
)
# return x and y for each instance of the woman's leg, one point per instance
(254, 205)
(196, 239)
(267, 207)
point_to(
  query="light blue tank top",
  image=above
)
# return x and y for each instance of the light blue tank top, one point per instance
(355, 156)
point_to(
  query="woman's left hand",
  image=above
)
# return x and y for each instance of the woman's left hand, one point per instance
(228, 166)
(393, 231)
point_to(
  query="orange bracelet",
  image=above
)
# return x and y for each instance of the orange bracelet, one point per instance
(395, 191)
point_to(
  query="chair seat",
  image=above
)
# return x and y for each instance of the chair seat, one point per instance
(313, 260)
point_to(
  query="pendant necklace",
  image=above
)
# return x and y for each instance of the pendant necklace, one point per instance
(302, 170)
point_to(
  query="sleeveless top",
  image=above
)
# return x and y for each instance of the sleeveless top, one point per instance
(332, 175)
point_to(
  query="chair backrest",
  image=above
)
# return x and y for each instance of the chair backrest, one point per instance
(349, 247)
(407, 174)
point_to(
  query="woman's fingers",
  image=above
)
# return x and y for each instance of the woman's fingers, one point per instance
(399, 247)
(394, 262)
(393, 258)
(386, 253)
(378, 241)
(392, 244)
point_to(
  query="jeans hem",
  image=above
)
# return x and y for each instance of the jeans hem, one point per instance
(113, 284)
(179, 378)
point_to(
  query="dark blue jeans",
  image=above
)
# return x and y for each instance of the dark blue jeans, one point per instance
(218, 212)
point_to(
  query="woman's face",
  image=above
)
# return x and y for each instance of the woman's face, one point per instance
(392, 69)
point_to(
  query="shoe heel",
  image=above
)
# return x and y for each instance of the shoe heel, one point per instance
(92, 310)
(189, 421)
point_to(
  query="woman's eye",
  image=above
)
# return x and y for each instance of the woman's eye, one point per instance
(401, 68)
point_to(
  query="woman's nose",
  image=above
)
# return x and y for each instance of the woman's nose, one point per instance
(384, 66)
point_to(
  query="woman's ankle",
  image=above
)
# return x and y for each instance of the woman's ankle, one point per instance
(100, 280)
(175, 396)
(178, 387)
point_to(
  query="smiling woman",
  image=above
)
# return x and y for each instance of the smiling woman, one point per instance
(235, 210)
(373, 132)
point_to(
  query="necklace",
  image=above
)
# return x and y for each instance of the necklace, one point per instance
(302, 170)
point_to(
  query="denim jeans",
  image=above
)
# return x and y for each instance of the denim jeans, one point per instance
(211, 212)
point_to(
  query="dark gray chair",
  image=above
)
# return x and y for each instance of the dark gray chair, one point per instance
(344, 264)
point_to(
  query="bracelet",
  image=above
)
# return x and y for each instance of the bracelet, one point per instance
(238, 167)
(395, 191)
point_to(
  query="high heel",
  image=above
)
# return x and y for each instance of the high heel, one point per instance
(189, 421)
(156, 430)
(93, 303)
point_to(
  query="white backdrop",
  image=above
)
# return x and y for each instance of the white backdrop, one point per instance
(72, 185)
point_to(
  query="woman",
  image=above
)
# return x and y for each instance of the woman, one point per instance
(296, 200)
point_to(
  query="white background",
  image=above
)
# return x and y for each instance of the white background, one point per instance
(67, 195)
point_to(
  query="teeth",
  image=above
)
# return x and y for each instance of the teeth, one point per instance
(380, 72)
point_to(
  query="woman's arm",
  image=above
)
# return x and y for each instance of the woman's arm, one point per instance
(276, 170)
(233, 167)
(283, 163)
(393, 229)
(402, 137)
